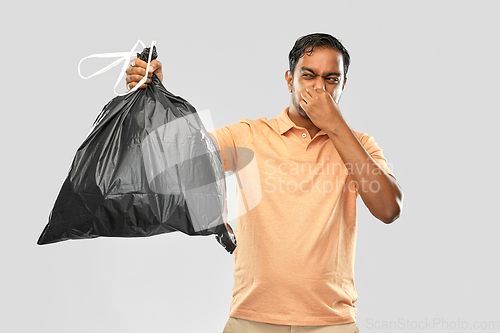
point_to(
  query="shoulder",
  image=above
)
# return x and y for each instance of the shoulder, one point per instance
(241, 133)
(249, 127)
(259, 122)
(260, 126)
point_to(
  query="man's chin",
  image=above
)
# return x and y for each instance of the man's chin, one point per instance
(300, 110)
(302, 113)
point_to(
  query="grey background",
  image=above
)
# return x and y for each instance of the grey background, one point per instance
(423, 82)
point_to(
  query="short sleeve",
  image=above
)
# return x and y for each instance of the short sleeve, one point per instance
(229, 138)
(374, 150)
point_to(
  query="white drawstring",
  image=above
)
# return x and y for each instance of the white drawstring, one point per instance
(123, 56)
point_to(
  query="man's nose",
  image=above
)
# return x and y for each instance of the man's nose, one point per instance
(319, 83)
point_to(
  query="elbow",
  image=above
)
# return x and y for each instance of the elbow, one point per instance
(391, 216)
(392, 211)
(388, 206)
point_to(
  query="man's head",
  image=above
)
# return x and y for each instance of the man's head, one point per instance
(317, 61)
(307, 44)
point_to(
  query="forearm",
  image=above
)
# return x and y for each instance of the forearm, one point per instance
(379, 190)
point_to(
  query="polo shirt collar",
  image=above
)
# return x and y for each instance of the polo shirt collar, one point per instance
(285, 123)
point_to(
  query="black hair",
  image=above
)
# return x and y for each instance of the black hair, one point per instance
(317, 40)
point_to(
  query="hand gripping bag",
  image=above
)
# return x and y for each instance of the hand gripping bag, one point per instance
(147, 167)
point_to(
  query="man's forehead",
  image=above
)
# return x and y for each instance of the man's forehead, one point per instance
(322, 59)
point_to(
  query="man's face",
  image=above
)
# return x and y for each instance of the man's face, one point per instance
(323, 69)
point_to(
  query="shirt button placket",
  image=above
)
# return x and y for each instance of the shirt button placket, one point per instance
(304, 135)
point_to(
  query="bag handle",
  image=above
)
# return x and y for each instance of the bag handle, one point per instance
(123, 56)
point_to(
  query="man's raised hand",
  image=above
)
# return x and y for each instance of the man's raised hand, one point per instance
(137, 70)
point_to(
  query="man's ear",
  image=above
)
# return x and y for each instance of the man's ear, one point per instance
(289, 80)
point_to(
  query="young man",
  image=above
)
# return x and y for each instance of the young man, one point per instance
(294, 263)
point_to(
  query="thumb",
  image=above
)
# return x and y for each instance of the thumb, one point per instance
(156, 67)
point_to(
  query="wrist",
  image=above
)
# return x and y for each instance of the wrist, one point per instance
(337, 128)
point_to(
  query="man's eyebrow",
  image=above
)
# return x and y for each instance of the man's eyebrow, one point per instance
(306, 69)
(310, 70)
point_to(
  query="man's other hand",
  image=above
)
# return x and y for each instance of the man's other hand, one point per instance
(137, 70)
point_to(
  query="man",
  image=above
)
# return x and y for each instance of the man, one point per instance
(294, 263)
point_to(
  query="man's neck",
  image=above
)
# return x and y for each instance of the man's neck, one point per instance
(300, 121)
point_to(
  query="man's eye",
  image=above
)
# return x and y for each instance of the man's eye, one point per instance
(333, 80)
(306, 75)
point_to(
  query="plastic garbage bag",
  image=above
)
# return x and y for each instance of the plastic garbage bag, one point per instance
(147, 167)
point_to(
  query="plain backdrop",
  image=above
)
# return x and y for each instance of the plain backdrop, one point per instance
(424, 82)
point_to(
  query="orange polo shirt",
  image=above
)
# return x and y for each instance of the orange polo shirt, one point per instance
(296, 226)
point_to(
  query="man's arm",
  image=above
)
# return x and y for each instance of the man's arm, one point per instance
(380, 191)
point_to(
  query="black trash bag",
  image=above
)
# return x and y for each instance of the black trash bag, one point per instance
(147, 167)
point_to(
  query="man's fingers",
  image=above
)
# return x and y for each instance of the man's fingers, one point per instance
(137, 70)
(313, 91)
(131, 85)
(142, 65)
(305, 96)
(303, 105)
(138, 63)
(133, 78)
(132, 81)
